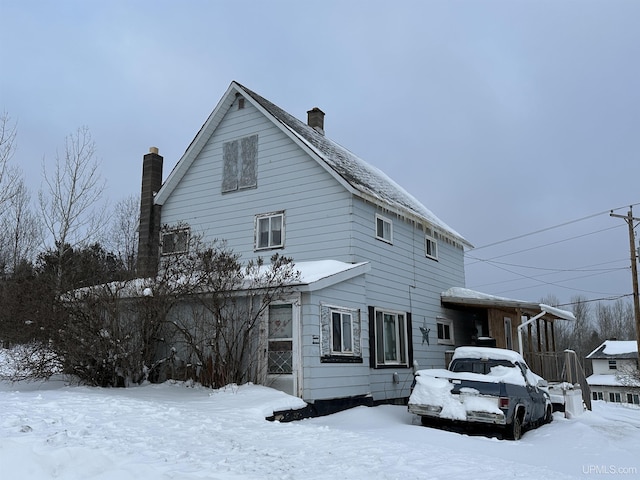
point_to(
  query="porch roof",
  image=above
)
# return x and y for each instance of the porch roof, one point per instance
(319, 274)
(464, 297)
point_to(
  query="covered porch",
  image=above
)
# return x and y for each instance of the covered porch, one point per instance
(526, 327)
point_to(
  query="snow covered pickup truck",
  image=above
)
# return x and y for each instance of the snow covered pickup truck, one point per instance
(483, 386)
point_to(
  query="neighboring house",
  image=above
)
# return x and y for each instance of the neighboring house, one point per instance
(373, 259)
(613, 363)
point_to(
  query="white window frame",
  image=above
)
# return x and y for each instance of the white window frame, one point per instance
(613, 365)
(401, 334)
(447, 325)
(385, 221)
(270, 242)
(170, 237)
(430, 247)
(342, 350)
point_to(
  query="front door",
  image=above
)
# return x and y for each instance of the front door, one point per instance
(282, 364)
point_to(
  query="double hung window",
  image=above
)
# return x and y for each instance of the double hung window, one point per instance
(340, 332)
(431, 247)
(269, 231)
(384, 229)
(392, 342)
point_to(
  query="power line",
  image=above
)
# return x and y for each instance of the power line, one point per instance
(544, 245)
(554, 284)
(518, 237)
(604, 299)
(586, 268)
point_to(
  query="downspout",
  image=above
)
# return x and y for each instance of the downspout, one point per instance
(522, 325)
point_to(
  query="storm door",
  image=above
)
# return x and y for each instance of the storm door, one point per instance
(282, 348)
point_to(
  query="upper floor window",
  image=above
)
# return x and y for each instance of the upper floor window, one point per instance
(431, 247)
(269, 230)
(240, 168)
(384, 229)
(613, 365)
(175, 241)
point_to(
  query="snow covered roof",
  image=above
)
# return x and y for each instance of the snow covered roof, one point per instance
(359, 177)
(610, 349)
(611, 381)
(320, 274)
(314, 275)
(465, 296)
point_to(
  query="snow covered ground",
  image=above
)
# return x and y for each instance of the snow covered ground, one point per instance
(177, 431)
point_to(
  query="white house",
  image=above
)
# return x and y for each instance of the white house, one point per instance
(613, 363)
(374, 259)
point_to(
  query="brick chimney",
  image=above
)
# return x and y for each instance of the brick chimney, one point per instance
(149, 230)
(315, 119)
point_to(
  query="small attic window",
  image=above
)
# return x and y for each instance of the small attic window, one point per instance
(240, 103)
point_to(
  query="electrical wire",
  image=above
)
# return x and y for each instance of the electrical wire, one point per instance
(546, 244)
(546, 229)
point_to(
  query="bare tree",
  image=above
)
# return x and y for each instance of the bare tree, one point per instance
(124, 231)
(215, 328)
(20, 229)
(9, 174)
(69, 200)
(615, 321)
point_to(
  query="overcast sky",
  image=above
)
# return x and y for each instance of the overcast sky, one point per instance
(502, 117)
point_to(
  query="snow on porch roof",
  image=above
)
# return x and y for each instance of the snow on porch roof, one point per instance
(466, 297)
(314, 275)
(319, 274)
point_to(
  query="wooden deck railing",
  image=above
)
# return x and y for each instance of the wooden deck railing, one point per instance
(560, 367)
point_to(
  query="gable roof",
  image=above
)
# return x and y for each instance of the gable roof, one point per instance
(615, 349)
(360, 178)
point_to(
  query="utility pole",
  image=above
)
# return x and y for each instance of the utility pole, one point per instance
(629, 218)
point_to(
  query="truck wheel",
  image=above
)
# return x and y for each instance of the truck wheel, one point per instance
(514, 431)
(425, 421)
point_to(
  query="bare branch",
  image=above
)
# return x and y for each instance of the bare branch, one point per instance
(9, 174)
(70, 199)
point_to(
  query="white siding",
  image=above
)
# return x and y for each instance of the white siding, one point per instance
(317, 208)
(322, 221)
(402, 278)
(333, 380)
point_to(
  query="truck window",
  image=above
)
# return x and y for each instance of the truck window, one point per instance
(482, 367)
